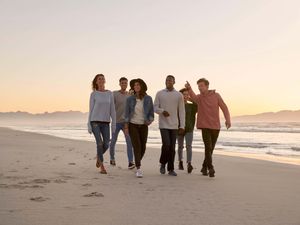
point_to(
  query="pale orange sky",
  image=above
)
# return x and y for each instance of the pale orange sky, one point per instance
(50, 51)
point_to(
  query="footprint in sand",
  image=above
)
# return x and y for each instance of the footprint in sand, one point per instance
(94, 194)
(72, 164)
(40, 181)
(39, 199)
(59, 181)
(87, 185)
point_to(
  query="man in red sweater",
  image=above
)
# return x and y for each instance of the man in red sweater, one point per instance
(208, 120)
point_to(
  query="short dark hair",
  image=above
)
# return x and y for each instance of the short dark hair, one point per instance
(204, 80)
(123, 78)
(183, 90)
(170, 76)
(94, 83)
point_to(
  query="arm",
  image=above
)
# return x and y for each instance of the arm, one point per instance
(126, 116)
(113, 114)
(127, 111)
(181, 112)
(157, 108)
(225, 111)
(151, 112)
(192, 94)
(91, 107)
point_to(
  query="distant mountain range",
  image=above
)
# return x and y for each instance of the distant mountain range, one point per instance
(281, 116)
(54, 116)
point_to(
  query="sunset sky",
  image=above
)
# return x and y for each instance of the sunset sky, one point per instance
(51, 50)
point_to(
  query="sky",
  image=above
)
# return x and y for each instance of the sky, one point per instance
(51, 50)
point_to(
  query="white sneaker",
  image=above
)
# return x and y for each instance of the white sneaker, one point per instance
(139, 173)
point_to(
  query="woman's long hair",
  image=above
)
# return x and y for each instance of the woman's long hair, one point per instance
(143, 91)
(94, 82)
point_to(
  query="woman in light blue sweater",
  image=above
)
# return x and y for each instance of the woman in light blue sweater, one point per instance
(101, 114)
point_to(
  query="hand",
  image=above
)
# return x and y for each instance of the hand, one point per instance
(166, 114)
(126, 131)
(227, 124)
(90, 128)
(181, 131)
(187, 85)
(148, 123)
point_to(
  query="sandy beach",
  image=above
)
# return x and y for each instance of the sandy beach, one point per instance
(49, 180)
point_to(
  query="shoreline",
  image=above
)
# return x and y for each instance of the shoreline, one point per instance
(45, 179)
(264, 157)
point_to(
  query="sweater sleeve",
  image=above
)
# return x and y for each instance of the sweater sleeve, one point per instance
(151, 111)
(181, 112)
(113, 114)
(91, 106)
(127, 111)
(157, 107)
(193, 96)
(224, 108)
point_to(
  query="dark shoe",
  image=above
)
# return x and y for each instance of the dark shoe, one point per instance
(112, 162)
(211, 172)
(204, 171)
(131, 165)
(190, 168)
(162, 169)
(172, 173)
(180, 166)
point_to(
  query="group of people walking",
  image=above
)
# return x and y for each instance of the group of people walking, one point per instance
(133, 111)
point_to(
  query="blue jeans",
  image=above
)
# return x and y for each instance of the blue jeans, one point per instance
(188, 145)
(119, 127)
(102, 135)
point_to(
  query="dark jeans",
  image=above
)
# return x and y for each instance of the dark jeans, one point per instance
(138, 135)
(101, 133)
(210, 137)
(168, 137)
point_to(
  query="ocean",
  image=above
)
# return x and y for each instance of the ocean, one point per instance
(279, 139)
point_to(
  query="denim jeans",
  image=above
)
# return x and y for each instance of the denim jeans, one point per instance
(119, 127)
(168, 137)
(210, 137)
(102, 134)
(188, 137)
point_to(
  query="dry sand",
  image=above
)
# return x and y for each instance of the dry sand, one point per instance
(49, 180)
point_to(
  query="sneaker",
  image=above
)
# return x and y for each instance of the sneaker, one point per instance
(102, 169)
(172, 173)
(131, 165)
(204, 171)
(190, 168)
(211, 172)
(139, 173)
(162, 169)
(180, 166)
(112, 162)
